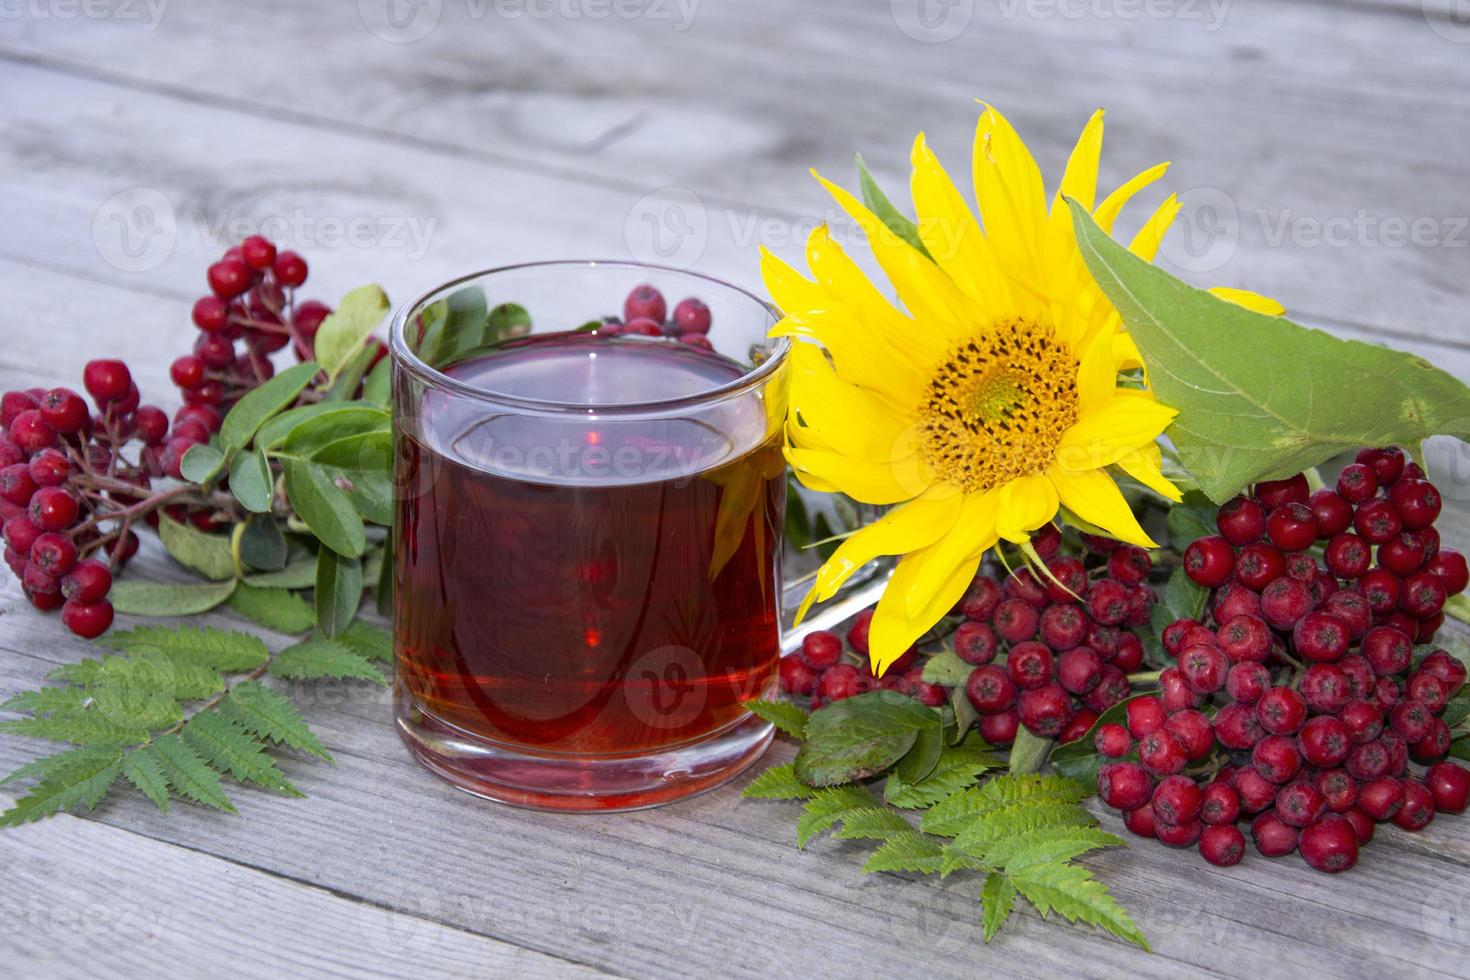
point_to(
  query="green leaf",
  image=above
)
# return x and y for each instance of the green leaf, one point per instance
(263, 712)
(878, 203)
(143, 770)
(1047, 844)
(997, 898)
(377, 388)
(946, 668)
(860, 737)
(910, 851)
(188, 775)
(47, 700)
(827, 807)
(207, 554)
(259, 404)
(367, 640)
(86, 728)
(263, 546)
(506, 321)
(205, 646)
(228, 747)
(1080, 760)
(383, 587)
(1460, 747)
(783, 714)
(370, 452)
(345, 330)
(344, 387)
(251, 481)
(1182, 598)
(371, 493)
(299, 573)
(872, 823)
(952, 815)
(957, 769)
(338, 590)
(1457, 710)
(323, 658)
(135, 706)
(275, 609)
(1029, 751)
(1072, 892)
(1191, 519)
(275, 431)
(1260, 398)
(325, 509)
(458, 327)
(201, 463)
(778, 783)
(48, 765)
(186, 677)
(83, 779)
(919, 761)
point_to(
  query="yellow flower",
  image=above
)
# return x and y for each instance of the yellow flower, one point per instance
(989, 397)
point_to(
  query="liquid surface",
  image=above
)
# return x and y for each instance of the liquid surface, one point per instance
(584, 584)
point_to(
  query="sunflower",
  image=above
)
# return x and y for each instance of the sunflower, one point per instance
(998, 391)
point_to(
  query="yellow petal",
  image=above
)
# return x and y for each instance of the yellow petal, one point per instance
(972, 532)
(1093, 496)
(908, 527)
(1025, 504)
(1107, 212)
(1126, 355)
(893, 630)
(791, 291)
(1249, 300)
(845, 417)
(1111, 431)
(863, 480)
(858, 360)
(952, 235)
(1146, 466)
(1146, 243)
(1097, 377)
(1012, 198)
(1079, 181)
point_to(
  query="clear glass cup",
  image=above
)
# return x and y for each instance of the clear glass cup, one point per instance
(588, 537)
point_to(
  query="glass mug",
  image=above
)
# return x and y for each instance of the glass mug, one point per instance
(587, 543)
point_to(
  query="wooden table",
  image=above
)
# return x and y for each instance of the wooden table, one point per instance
(1323, 150)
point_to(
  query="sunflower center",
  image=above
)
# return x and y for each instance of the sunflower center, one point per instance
(997, 407)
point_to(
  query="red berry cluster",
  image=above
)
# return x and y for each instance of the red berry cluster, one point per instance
(1053, 653)
(252, 304)
(820, 671)
(646, 314)
(1321, 701)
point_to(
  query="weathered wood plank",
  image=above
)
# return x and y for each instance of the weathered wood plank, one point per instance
(1286, 121)
(85, 899)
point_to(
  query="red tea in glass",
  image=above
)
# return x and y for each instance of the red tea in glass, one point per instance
(587, 546)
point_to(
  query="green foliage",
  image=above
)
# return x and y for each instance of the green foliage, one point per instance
(958, 767)
(948, 669)
(262, 545)
(367, 640)
(299, 572)
(207, 554)
(1080, 760)
(1029, 751)
(343, 333)
(327, 511)
(123, 714)
(1260, 397)
(1189, 520)
(783, 714)
(201, 463)
(338, 590)
(260, 403)
(878, 203)
(778, 783)
(251, 482)
(322, 657)
(275, 609)
(861, 736)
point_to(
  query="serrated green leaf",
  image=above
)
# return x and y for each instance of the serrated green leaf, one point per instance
(946, 668)
(275, 609)
(1017, 818)
(1244, 417)
(1029, 751)
(228, 747)
(860, 737)
(47, 700)
(783, 714)
(67, 759)
(85, 728)
(160, 599)
(299, 573)
(344, 331)
(82, 779)
(143, 770)
(201, 463)
(872, 823)
(1047, 844)
(260, 403)
(878, 203)
(185, 678)
(1182, 597)
(997, 898)
(957, 769)
(263, 712)
(826, 808)
(909, 851)
(325, 508)
(338, 591)
(251, 481)
(133, 706)
(953, 814)
(205, 646)
(187, 773)
(323, 658)
(377, 387)
(1072, 892)
(207, 554)
(778, 783)
(367, 640)
(262, 545)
